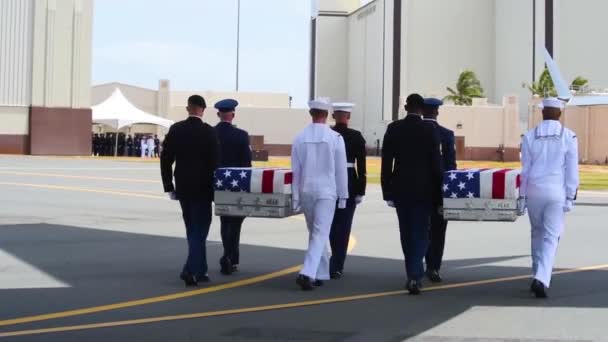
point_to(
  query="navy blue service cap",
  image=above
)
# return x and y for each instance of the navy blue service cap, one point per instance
(431, 101)
(227, 105)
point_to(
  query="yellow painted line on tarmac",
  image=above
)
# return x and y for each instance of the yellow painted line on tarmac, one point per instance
(55, 175)
(89, 190)
(263, 308)
(152, 300)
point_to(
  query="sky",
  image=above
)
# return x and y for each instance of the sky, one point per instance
(193, 44)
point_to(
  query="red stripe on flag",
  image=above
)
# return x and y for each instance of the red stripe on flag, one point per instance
(268, 181)
(288, 178)
(499, 184)
(518, 181)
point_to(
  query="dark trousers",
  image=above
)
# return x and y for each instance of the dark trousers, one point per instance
(414, 222)
(434, 255)
(231, 237)
(197, 218)
(340, 234)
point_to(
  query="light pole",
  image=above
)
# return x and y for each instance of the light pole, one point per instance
(238, 42)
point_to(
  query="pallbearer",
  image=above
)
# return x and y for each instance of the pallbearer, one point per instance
(320, 180)
(434, 254)
(549, 185)
(235, 152)
(357, 179)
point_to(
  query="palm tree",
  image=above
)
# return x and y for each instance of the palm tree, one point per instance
(467, 88)
(544, 87)
(579, 83)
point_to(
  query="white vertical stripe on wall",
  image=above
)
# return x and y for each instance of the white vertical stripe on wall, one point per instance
(15, 52)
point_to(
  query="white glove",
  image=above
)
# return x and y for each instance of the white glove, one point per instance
(342, 203)
(390, 204)
(172, 195)
(296, 206)
(359, 199)
(521, 206)
(568, 206)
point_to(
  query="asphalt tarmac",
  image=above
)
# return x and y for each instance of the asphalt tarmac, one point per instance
(90, 250)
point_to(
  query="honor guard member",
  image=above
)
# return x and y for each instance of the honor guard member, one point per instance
(411, 178)
(235, 151)
(320, 179)
(357, 180)
(549, 185)
(434, 254)
(193, 147)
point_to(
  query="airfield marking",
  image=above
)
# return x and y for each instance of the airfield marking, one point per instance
(55, 175)
(90, 190)
(278, 306)
(170, 297)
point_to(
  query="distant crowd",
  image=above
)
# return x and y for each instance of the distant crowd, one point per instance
(139, 145)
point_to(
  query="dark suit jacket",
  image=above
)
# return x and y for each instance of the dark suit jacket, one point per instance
(448, 146)
(193, 146)
(411, 163)
(355, 154)
(234, 146)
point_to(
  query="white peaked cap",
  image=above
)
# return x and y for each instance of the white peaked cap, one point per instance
(321, 103)
(343, 107)
(552, 102)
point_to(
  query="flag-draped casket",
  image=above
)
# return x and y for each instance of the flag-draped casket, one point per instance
(253, 192)
(481, 194)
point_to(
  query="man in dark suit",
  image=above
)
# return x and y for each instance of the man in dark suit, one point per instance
(235, 152)
(411, 179)
(193, 146)
(129, 144)
(434, 254)
(357, 180)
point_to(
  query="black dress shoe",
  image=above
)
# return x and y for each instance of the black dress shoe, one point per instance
(189, 279)
(305, 283)
(226, 266)
(414, 287)
(336, 275)
(235, 268)
(539, 289)
(317, 283)
(434, 276)
(203, 279)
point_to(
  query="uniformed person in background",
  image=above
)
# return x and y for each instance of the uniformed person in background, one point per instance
(121, 144)
(137, 145)
(95, 143)
(434, 254)
(129, 144)
(320, 179)
(235, 151)
(548, 190)
(156, 146)
(357, 180)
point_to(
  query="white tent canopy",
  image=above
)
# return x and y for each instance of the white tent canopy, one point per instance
(117, 112)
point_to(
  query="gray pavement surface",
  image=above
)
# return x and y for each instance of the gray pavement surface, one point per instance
(100, 234)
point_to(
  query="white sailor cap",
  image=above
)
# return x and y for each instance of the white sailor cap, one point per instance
(343, 107)
(321, 103)
(552, 102)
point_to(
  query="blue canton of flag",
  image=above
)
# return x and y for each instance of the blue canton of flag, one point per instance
(461, 184)
(233, 180)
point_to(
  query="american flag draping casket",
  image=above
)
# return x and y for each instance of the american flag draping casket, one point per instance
(481, 194)
(253, 192)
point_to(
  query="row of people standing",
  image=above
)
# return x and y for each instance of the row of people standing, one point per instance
(140, 145)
